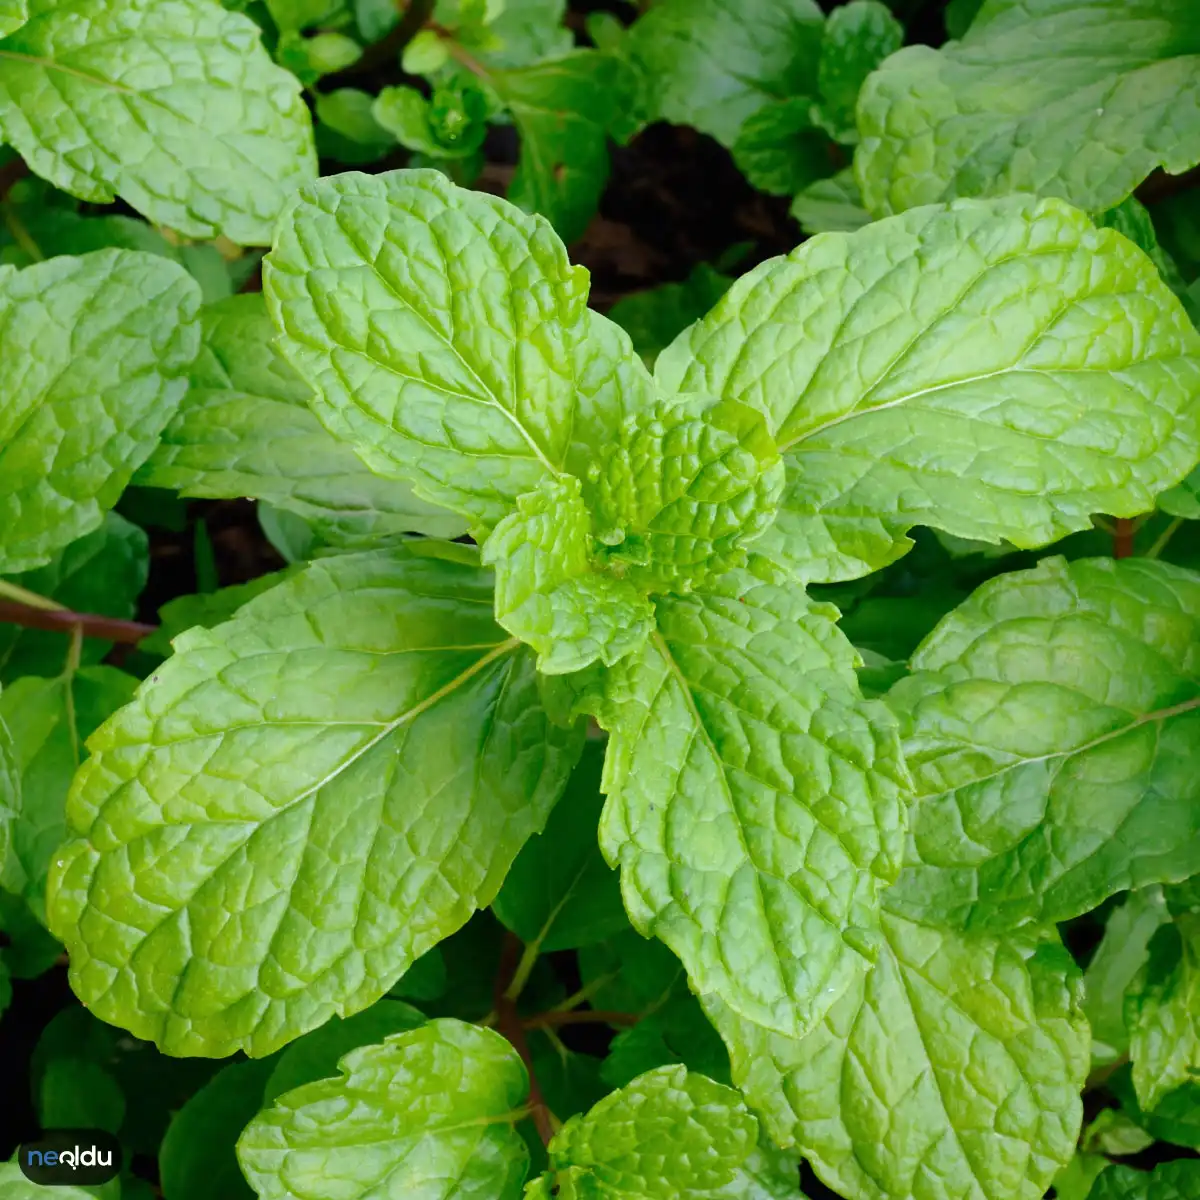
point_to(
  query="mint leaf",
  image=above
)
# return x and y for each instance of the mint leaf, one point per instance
(1168, 1181)
(666, 1134)
(563, 109)
(755, 800)
(10, 804)
(75, 1093)
(1074, 98)
(1164, 1039)
(364, 724)
(245, 429)
(49, 720)
(962, 415)
(1183, 500)
(858, 37)
(553, 593)
(13, 14)
(1074, 1181)
(316, 1055)
(1119, 957)
(780, 150)
(656, 317)
(712, 66)
(450, 125)
(560, 893)
(429, 1112)
(525, 32)
(952, 1068)
(14, 1186)
(447, 337)
(832, 205)
(678, 1032)
(631, 973)
(29, 951)
(174, 107)
(103, 572)
(1021, 701)
(104, 342)
(1113, 1132)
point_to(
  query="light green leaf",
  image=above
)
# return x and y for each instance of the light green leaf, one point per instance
(858, 37)
(13, 14)
(952, 1068)
(49, 720)
(1131, 219)
(428, 1113)
(103, 343)
(245, 429)
(1113, 1132)
(831, 205)
(666, 1134)
(316, 1055)
(996, 369)
(359, 752)
(103, 572)
(447, 337)
(173, 105)
(563, 109)
(712, 66)
(553, 593)
(560, 893)
(451, 124)
(768, 1174)
(780, 150)
(1119, 957)
(1163, 1011)
(1049, 725)
(755, 800)
(1183, 500)
(1168, 1181)
(304, 14)
(1177, 1118)
(656, 317)
(1074, 1181)
(14, 1186)
(1074, 98)
(527, 32)
(348, 115)
(198, 1157)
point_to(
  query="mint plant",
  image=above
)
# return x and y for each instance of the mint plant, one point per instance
(737, 745)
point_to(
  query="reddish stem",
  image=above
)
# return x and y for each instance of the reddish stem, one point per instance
(508, 1022)
(1123, 538)
(111, 629)
(590, 1016)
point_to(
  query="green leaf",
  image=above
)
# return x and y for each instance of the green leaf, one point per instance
(451, 124)
(553, 593)
(347, 119)
(713, 66)
(1049, 725)
(103, 572)
(655, 317)
(570, 1082)
(198, 1158)
(666, 1134)
(316, 1055)
(1115, 1133)
(832, 205)
(49, 720)
(1119, 957)
(563, 109)
(104, 342)
(1074, 1181)
(14, 1186)
(29, 950)
(10, 796)
(959, 15)
(526, 32)
(303, 14)
(173, 105)
(1131, 219)
(678, 1032)
(858, 37)
(427, 1113)
(1074, 98)
(1168, 1181)
(755, 800)
(1162, 1012)
(780, 150)
(358, 752)
(245, 429)
(447, 337)
(998, 370)
(1175, 1120)
(560, 893)
(631, 973)
(75, 1093)
(952, 1068)
(13, 14)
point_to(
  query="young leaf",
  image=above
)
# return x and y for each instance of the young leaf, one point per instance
(428, 1113)
(666, 1134)
(98, 348)
(173, 105)
(952, 1068)
(364, 725)
(447, 337)
(245, 429)
(560, 892)
(1074, 98)
(103, 572)
(1163, 1010)
(13, 14)
(14, 1186)
(552, 591)
(524, 32)
(1049, 724)
(832, 205)
(995, 369)
(450, 125)
(780, 150)
(755, 800)
(1168, 1181)
(563, 110)
(713, 66)
(858, 37)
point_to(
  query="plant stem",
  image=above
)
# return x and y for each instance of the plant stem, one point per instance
(1123, 538)
(508, 1022)
(521, 975)
(1166, 535)
(21, 595)
(590, 1016)
(62, 620)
